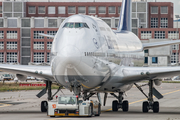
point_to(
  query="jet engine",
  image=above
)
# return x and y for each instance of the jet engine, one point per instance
(157, 82)
(21, 77)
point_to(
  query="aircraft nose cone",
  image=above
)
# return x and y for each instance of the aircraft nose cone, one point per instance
(71, 55)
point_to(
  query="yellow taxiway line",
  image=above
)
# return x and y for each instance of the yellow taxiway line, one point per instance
(5, 105)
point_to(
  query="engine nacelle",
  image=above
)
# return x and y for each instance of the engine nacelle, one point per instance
(157, 82)
(21, 77)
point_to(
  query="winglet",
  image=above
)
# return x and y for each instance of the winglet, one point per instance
(125, 16)
(46, 35)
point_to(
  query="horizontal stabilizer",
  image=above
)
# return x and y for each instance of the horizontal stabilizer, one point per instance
(157, 94)
(159, 44)
(46, 35)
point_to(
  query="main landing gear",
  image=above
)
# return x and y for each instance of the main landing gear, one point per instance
(150, 104)
(116, 104)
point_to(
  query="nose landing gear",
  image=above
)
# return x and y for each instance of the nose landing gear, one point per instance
(44, 104)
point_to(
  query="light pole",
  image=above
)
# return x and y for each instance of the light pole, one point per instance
(177, 16)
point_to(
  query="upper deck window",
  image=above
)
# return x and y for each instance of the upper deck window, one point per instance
(75, 25)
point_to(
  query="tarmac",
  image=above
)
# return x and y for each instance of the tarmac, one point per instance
(24, 105)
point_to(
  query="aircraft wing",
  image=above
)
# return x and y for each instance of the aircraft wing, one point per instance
(46, 35)
(135, 74)
(160, 44)
(43, 72)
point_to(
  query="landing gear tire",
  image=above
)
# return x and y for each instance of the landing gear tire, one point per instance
(145, 107)
(125, 106)
(156, 107)
(115, 105)
(44, 106)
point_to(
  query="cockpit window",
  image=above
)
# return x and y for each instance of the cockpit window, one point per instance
(75, 25)
(71, 25)
(78, 25)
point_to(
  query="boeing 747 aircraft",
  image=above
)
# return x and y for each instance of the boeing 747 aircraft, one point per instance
(88, 58)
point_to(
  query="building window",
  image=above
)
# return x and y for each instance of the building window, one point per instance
(108, 21)
(38, 45)
(1, 57)
(119, 9)
(25, 22)
(175, 47)
(102, 10)
(31, 9)
(135, 23)
(146, 51)
(52, 22)
(112, 9)
(12, 57)
(41, 10)
(1, 34)
(154, 59)
(49, 45)
(17, 7)
(11, 34)
(173, 34)
(154, 10)
(51, 33)
(82, 10)
(141, 7)
(164, 10)
(11, 45)
(37, 36)
(38, 57)
(146, 34)
(175, 58)
(159, 35)
(0, 9)
(38, 23)
(12, 23)
(48, 57)
(146, 60)
(51, 10)
(92, 10)
(71, 10)
(61, 10)
(154, 22)
(164, 22)
(116, 23)
(1, 45)
(1, 22)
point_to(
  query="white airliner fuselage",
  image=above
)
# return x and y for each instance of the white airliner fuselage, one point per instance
(87, 55)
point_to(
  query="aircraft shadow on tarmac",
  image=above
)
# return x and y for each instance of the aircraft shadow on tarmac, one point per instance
(140, 112)
(107, 112)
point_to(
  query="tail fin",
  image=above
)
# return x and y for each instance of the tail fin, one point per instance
(125, 16)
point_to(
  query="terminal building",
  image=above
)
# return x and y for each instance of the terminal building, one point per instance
(22, 20)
